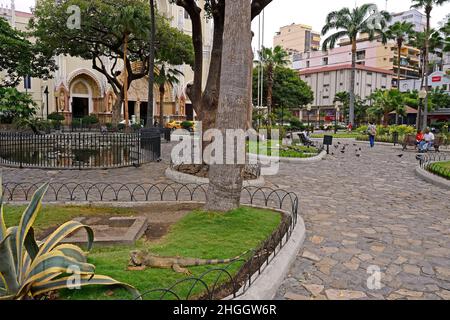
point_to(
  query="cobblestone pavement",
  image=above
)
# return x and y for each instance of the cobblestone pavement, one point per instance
(367, 213)
(360, 213)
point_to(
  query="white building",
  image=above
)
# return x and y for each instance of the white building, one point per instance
(418, 19)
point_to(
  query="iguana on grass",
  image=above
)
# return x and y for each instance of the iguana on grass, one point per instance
(141, 260)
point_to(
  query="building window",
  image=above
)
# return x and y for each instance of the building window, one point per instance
(325, 61)
(384, 76)
(383, 87)
(308, 64)
(361, 55)
(186, 14)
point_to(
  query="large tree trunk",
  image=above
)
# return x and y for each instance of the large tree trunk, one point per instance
(117, 108)
(151, 69)
(427, 51)
(226, 179)
(352, 85)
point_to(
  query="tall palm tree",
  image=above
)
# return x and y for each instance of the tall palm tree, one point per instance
(272, 58)
(400, 32)
(151, 77)
(419, 40)
(351, 23)
(428, 6)
(384, 102)
(165, 76)
(446, 32)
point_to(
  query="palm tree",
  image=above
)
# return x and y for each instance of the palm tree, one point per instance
(151, 77)
(419, 40)
(400, 32)
(165, 76)
(446, 31)
(270, 60)
(352, 23)
(384, 102)
(428, 6)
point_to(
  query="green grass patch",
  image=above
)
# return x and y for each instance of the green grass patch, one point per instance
(441, 169)
(198, 235)
(275, 147)
(341, 135)
(51, 216)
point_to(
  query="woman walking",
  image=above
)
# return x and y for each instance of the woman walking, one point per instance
(372, 131)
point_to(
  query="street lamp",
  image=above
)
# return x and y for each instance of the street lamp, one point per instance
(46, 95)
(309, 107)
(336, 107)
(422, 95)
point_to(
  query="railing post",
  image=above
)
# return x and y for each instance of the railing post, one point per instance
(21, 150)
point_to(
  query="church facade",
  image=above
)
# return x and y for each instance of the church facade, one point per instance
(77, 90)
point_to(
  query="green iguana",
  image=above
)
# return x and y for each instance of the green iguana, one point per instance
(141, 260)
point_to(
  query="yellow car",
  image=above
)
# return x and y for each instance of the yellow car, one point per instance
(174, 124)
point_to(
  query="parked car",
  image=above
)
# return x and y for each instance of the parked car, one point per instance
(174, 124)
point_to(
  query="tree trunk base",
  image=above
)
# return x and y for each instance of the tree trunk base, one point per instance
(224, 192)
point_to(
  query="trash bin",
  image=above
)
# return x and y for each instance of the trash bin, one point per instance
(395, 138)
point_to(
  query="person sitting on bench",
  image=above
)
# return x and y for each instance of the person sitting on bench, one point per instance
(419, 137)
(427, 142)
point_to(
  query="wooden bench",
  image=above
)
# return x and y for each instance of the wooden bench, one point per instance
(305, 141)
(438, 142)
(410, 140)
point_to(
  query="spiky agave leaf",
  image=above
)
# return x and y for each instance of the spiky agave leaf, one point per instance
(62, 283)
(26, 222)
(8, 273)
(2, 220)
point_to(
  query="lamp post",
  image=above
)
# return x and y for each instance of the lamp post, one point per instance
(422, 95)
(336, 117)
(308, 108)
(46, 95)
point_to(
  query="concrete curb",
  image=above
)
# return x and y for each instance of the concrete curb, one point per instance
(187, 178)
(267, 284)
(432, 178)
(317, 158)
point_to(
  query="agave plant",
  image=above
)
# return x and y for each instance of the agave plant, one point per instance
(29, 269)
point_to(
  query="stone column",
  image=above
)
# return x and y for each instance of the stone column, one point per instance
(137, 111)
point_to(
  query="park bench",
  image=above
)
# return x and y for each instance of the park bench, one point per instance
(410, 140)
(305, 141)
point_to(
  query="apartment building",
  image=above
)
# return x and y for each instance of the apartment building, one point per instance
(418, 19)
(297, 38)
(373, 54)
(327, 81)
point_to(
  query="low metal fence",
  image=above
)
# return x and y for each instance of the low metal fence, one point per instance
(430, 162)
(215, 283)
(78, 150)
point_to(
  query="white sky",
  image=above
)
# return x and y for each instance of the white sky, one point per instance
(311, 12)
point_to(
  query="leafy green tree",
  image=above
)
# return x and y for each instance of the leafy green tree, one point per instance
(15, 105)
(400, 32)
(386, 101)
(19, 57)
(427, 6)
(271, 59)
(439, 98)
(289, 91)
(165, 76)
(351, 23)
(105, 29)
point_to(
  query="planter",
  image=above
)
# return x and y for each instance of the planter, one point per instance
(184, 178)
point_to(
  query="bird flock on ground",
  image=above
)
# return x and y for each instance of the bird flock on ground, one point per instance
(345, 147)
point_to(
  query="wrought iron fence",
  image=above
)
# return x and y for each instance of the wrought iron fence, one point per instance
(430, 162)
(225, 283)
(78, 150)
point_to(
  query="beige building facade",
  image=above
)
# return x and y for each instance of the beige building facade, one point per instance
(297, 38)
(76, 90)
(327, 81)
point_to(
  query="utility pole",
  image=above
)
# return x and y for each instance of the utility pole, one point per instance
(151, 68)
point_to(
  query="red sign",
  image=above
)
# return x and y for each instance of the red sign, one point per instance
(436, 79)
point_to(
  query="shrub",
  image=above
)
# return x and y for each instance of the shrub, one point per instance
(29, 269)
(56, 116)
(402, 130)
(187, 125)
(90, 120)
(15, 104)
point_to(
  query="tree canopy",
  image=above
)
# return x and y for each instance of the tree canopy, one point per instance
(19, 57)
(104, 26)
(289, 91)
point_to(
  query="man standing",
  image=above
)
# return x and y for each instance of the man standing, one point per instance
(372, 131)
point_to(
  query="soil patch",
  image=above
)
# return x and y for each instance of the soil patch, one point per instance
(202, 171)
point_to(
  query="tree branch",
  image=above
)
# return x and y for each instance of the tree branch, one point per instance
(258, 6)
